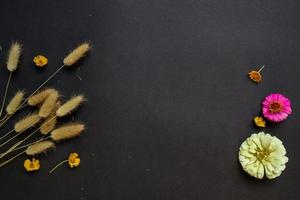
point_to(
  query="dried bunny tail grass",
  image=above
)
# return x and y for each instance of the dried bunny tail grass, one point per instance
(15, 102)
(40, 97)
(70, 105)
(67, 131)
(77, 53)
(40, 147)
(27, 122)
(48, 105)
(49, 125)
(13, 56)
(51, 121)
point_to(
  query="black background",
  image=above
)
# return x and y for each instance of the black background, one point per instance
(169, 101)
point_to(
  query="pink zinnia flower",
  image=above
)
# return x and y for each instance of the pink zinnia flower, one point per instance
(276, 107)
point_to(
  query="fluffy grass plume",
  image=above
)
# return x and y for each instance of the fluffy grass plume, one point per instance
(76, 54)
(40, 147)
(15, 102)
(40, 97)
(27, 122)
(50, 121)
(70, 105)
(13, 56)
(48, 105)
(67, 131)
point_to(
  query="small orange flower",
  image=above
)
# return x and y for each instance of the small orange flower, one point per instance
(33, 165)
(40, 60)
(255, 76)
(74, 160)
(259, 121)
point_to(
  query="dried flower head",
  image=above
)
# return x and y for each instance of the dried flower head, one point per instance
(262, 154)
(255, 76)
(14, 56)
(40, 97)
(33, 165)
(259, 121)
(40, 147)
(76, 54)
(40, 60)
(67, 131)
(49, 104)
(15, 102)
(74, 160)
(27, 122)
(70, 105)
(50, 121)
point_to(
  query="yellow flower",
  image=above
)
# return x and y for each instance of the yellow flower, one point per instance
(255, 75)
(40, 60)
(259, 121)
(262, 154)
(33, 165)
(74, 160)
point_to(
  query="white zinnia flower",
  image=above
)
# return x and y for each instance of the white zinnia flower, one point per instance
(262, 154)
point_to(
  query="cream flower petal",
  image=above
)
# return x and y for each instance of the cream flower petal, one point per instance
(263, 155)
(260, 171)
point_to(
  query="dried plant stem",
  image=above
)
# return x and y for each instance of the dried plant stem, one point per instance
(5, 93)
(24, 146)
(58, 165)
(10, 139)
(9, 132)
(9, 150)
(261, 68)
(24, 102)
(23, 106)
(5, 116)
(11, 159)
(26, 138)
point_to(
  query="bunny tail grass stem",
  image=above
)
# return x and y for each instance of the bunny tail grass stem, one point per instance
(5, 93)
(26, 138)
(23, 106)
(26, 145)
(1, 120)
(10, 139)
(14, 147)
(11, 159)
(42, 85)
(58, 165)
(8, 151)
(7, 116)
(9, 132)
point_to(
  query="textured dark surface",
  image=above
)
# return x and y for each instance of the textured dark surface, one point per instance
(169, 101)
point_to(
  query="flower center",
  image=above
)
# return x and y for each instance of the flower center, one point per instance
(275, 107)
(31, 165)
(72, 160)
(255, 75)
(261, 155)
